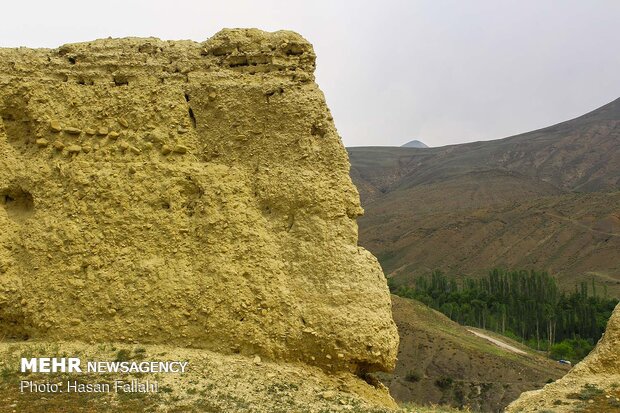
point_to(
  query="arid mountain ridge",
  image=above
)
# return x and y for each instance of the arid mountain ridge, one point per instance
(546, 199)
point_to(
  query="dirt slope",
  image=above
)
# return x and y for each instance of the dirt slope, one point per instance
(440, 361)
(575, 236)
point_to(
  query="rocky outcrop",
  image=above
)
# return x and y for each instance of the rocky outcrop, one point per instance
(594, 382)
(193, 194)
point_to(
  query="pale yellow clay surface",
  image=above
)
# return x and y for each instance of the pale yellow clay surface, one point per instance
(188, 194)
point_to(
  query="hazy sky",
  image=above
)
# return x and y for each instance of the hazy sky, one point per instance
(439, 71)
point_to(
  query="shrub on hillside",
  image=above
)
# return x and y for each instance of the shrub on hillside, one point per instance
(444, 382)
(413, 376)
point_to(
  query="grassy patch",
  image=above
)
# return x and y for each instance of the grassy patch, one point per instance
(589, 391)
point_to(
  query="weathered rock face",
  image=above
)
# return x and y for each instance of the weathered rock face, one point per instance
(601, 368)
(605, 358)
(194, 194)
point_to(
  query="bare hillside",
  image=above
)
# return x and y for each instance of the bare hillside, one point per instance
(440, 361)
(544, 200)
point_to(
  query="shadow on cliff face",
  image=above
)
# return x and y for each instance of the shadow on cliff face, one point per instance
(16, 119)
(17, 201)
(16, 204)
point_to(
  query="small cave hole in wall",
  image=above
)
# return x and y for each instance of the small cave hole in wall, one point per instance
(121, 81)
(17, 123)
(192, 117)
(16, 201)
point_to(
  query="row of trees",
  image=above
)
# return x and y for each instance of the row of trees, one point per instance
(523, 304)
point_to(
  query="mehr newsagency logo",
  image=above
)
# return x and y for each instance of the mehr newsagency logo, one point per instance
(74, 365)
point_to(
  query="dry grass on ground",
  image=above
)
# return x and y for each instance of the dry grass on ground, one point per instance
(213, 383)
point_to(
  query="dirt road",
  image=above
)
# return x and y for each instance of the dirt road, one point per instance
(498, 343)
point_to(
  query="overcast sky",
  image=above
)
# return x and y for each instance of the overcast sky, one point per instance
(439, 71)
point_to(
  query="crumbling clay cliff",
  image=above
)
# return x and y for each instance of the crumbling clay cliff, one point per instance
(593, 385)
(193, 194)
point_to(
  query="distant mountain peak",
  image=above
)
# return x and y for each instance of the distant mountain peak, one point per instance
(414, 144)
